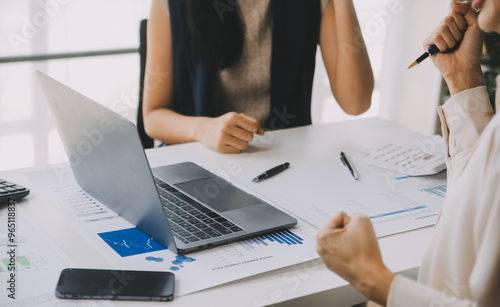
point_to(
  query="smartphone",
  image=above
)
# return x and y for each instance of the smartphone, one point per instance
(115, 285)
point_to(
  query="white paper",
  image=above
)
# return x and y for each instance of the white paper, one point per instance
(39, 261)
(317, 190)
(414, 159)
(194, 272)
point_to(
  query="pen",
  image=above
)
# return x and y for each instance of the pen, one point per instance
(346, 163)
(432, 50)
(271, 172)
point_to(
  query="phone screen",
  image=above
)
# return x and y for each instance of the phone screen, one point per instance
(115, 285)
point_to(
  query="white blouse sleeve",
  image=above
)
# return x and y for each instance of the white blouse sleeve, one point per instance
(463, 118)
(484, 281)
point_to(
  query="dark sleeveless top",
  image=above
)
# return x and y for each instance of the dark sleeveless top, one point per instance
(295, 35)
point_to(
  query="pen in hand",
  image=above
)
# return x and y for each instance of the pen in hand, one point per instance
(346, 163)
(271, 172)
(432, 50)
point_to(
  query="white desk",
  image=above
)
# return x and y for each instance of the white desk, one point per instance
(307, 283)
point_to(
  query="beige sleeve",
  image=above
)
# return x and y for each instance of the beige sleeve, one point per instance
(483, 286)
(463, 118)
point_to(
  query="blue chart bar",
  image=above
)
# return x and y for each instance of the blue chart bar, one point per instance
(439, 191)
(397, 212)
(284, 236)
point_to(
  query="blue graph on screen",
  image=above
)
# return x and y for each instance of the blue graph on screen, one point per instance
(129, 242)
(285, 237)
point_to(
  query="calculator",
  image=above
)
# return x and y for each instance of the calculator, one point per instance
(12, 191)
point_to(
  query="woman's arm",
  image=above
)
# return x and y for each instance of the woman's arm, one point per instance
(229, 133)
(465, 115)
(345, 57)
(160, 121)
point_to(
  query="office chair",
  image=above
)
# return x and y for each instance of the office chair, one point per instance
(146, 141)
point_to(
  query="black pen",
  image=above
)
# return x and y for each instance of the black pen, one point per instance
(346, 163)
(432, 50)
(271, 172)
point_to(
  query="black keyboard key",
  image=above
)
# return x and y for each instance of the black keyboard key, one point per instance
(212, 215)
(191, 229)
(185, 224)
(192, 220)
(177, 220)
(208, 221)
(227, 224)
(201, 235)
(184, 206)
(235, 229)
(198, 206)
(182, 239)
(193, 212)
(185, 216)
(164, 185)
(192, 239)
(200, 226)
(200, 216)
(184, 234)
(221, 229)
(220, 219)
(176, 229)
(170, 206)
(211, 232)
(177, 210)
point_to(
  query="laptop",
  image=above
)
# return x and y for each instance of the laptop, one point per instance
(182, 206)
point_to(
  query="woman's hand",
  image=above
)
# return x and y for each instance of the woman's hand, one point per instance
(349, 247)
(459, 39)
(229, 133)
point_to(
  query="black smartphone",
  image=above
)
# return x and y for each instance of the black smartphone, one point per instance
(115, 285)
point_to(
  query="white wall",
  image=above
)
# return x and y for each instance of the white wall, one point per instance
(394, 31)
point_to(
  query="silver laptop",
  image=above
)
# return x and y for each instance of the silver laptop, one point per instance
(182, 206)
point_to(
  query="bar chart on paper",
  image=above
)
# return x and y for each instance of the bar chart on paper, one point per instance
(284, 236)
(439, 190)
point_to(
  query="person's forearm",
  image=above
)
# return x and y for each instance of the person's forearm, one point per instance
(375, 284)
(354, 76)
(172, 128)
(464, 81)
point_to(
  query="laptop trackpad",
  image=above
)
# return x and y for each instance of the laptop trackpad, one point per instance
(218, 194)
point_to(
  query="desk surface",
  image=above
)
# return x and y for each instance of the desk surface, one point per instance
(308, 282)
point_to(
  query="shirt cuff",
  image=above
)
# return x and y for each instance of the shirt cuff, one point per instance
(409, 293)
(463, 117)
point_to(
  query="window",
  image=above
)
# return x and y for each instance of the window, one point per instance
(30, 28)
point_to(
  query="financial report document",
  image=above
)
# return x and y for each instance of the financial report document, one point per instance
(317, 190)
(129, 248)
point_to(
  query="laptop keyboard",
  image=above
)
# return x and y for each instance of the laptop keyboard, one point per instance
(189, 220)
